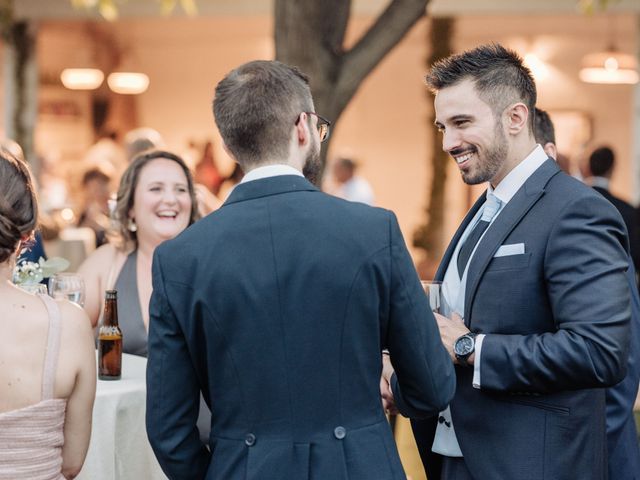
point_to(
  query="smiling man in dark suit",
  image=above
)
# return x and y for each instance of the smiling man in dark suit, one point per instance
(277, 307)
(536, 278)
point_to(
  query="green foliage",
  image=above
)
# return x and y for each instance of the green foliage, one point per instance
(109, 10)
(591, 6)
(31, 273)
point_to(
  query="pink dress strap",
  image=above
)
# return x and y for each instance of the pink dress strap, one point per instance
(53, 347)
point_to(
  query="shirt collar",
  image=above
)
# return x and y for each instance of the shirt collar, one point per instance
(270, 171)
(600, 182)
(510, 184)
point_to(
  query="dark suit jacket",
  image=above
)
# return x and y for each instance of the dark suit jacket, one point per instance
(629, 216)
(622, 436)
(557, 326)
(277, 306)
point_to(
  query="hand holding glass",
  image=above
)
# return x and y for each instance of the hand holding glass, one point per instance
(67, 285)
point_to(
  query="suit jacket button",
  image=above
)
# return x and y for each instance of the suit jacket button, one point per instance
(250, 439)
(339, 433)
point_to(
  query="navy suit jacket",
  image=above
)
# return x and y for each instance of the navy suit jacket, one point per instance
(622, 436)
(276, 307)
(630, 220)
(556, 320)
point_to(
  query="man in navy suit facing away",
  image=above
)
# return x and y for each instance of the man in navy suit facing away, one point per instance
(277, 307)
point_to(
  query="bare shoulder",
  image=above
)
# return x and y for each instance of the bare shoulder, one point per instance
(75, 321)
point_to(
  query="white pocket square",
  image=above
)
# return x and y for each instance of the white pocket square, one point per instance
(507, 250)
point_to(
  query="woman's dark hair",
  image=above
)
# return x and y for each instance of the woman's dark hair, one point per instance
(126, 239)
(18, 204)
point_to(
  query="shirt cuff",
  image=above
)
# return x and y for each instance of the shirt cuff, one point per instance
(476, 361)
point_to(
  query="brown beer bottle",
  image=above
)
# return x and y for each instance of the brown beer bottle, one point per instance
(110, 340)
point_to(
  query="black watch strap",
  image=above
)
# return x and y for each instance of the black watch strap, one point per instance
(462, 359)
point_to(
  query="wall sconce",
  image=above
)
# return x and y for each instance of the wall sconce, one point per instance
(128, 83)
(82, 78)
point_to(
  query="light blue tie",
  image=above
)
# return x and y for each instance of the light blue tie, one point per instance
(491, 207)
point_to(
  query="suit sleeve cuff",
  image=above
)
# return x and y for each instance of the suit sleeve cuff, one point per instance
(476, 362)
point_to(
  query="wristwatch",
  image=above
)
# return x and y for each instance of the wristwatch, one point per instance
(463, 347)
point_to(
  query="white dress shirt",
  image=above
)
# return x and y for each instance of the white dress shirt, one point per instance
(445, 442)
(270, 171)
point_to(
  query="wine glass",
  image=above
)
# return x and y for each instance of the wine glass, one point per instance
(67, 285)
(435, 294)
(35, 288)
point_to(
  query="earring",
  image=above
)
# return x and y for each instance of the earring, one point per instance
(131, 226)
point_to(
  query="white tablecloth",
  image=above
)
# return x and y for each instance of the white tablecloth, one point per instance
(119, 449)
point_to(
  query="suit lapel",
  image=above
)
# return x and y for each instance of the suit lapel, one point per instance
(509, 217)
(442, 268)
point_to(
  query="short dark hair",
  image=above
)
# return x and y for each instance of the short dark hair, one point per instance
(601, 161)
(18, 205)
(347, 163)
(499, 75)
(543, 129)
(122, 236)
(256, 106)
(95, 174)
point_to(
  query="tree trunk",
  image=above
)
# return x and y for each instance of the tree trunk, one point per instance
(21, 81)
(430, 236)
(310, 35)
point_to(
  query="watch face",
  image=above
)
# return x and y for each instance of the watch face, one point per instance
(464, 346)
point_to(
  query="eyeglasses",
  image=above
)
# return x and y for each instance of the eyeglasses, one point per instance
(322, 125)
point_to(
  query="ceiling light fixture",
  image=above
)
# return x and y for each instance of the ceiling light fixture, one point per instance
(128, 83)
(82, 78)
(610, 67)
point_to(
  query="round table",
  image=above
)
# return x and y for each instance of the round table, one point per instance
(119, 448)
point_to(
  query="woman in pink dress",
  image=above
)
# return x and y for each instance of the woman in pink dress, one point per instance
(47, 357)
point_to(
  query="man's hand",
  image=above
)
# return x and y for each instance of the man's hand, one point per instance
(450, 330)
(388, 403)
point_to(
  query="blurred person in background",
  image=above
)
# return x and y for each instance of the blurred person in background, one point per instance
(350, 186)
(48, 374)
(544, 131)
(95, 198)
(231, 181)
(602, 162)
(140, 140)
(106, 155)
(206, 171)
(623, 450)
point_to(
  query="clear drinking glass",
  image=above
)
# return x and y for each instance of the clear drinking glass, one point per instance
(34, 288)
(67, 285)
(435, 294)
